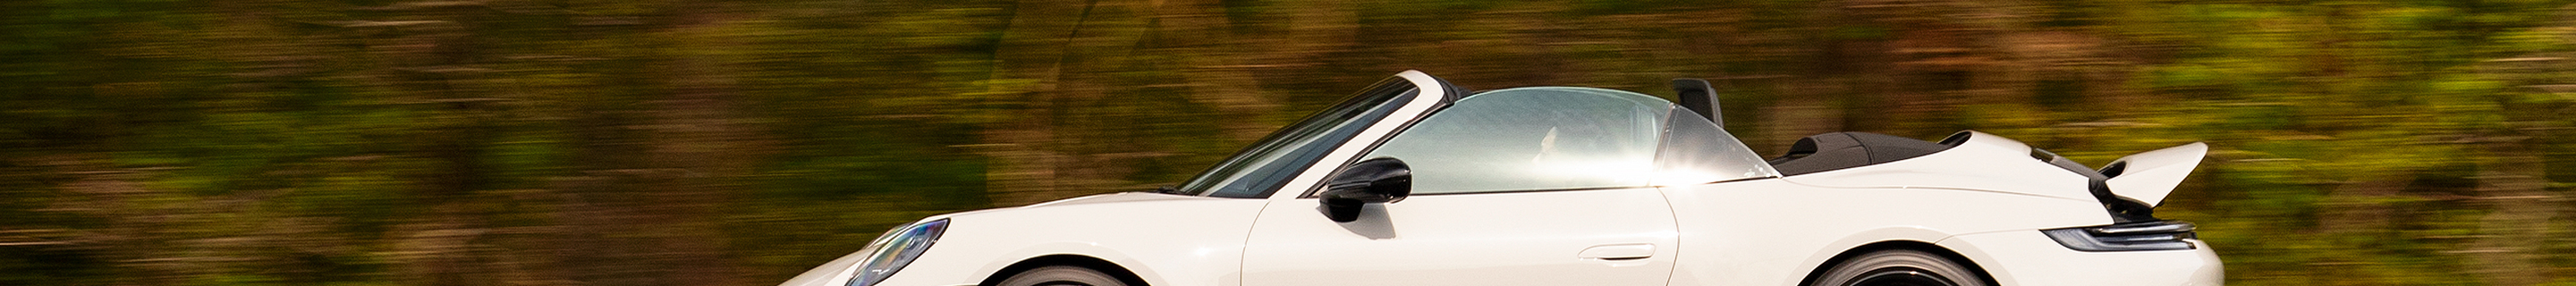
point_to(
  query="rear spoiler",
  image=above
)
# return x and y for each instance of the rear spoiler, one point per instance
(2131, 187)
(2149, 176)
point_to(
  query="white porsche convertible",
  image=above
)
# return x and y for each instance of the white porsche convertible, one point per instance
(1416, 182)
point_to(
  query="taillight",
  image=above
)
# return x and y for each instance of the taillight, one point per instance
(2153, 235)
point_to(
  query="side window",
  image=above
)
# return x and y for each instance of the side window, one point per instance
(1697, 151)
(1531, 139)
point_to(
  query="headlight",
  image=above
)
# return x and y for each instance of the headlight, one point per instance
(2154, 235)
(897, 248)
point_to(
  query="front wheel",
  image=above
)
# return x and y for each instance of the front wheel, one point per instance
(1899, 268)
(1061, 276)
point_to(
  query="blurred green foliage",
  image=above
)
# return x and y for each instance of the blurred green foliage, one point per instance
(577, 142)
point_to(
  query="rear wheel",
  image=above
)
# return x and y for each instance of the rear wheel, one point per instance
(1899, 268)
(1061, 276)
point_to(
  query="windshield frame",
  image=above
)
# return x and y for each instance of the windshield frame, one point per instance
(1288, 156)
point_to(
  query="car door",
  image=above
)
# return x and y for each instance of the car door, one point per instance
(1528, 186)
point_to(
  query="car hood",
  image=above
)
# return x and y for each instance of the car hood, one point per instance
(1115, 198)
(831, 273)
(1110, 198)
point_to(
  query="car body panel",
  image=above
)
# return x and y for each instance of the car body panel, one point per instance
(835, 273)
(997, 237)
(1773, 232)
(1986, 198)
(1985, 162)
(1519, 238)
(1165, 239)
(2007, 255)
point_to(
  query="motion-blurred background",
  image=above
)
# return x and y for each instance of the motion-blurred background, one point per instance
(588, 142)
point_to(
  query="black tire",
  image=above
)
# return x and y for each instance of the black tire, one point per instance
(1061, 276)
(1899, 268)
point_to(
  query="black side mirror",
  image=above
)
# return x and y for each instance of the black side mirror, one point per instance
(1381, 180)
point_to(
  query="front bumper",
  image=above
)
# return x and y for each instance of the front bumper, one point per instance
(2028, 257)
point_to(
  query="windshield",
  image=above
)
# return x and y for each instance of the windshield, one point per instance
(1259, 170)
(1533, 138)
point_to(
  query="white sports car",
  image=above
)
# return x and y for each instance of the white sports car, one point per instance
(1415, 182)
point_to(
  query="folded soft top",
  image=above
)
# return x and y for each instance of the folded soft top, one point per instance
(1841, 150)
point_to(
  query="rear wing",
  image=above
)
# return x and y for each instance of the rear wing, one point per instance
(2149, 176)
(2131, 187)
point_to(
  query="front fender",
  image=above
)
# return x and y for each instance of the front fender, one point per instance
(1164, 240)
(1084, 249)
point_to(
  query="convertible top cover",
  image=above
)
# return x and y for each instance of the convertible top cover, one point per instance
(1843, 150)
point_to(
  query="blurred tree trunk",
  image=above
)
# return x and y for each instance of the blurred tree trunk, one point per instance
(2511, 178)
(2514, 242)
(1214, 63)
(2359, 205)
(431, 60)
(651, 210)
(1317, 31)
(1802, 114)
(1102, 58)
(1027, 80)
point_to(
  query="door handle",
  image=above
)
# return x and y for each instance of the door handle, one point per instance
(1618, 251)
